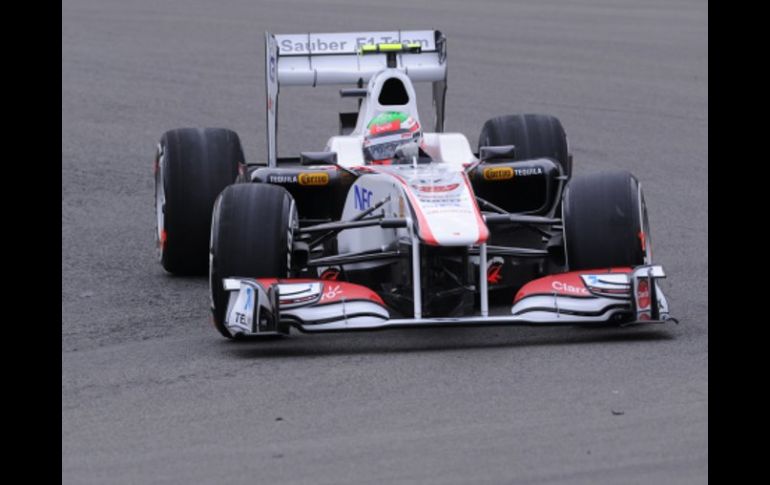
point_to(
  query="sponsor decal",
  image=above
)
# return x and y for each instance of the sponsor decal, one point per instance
(527, 171)
(391, 39)
(243, 309)
(643, 293)
(330, 274)
(498, 173)
(315, 45)
(445, 203)
(562, 287)
(249, 299)
(436, 188)
(384, 127)
(313, 178)
(282, 179)
(343, 291)
(348, 42)
(573, 283)
(331, 292)
(363, 197)
(241, 319)
(494, 271)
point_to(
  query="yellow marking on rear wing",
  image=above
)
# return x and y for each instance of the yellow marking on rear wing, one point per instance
(390, 47)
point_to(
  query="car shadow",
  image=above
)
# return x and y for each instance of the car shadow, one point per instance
(437, 340)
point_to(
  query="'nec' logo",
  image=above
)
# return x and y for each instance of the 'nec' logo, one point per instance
(363, 198)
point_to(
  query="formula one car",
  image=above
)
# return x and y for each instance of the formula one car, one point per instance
(391, 226)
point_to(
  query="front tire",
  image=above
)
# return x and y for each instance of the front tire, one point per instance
(192, 167)
(605, 222)
(251, 237)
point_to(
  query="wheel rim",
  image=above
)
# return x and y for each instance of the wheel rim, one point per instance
(292, 225)
(160, 205)
(214, 228)
(564, 235)
(644, 236)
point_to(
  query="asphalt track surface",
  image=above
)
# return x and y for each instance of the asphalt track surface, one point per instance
(152, 394)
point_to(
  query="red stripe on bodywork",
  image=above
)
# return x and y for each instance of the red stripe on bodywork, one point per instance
(266, 282)
(331, 290)
(436, 188)
(483, 230)
(569, 284)
(340, 290)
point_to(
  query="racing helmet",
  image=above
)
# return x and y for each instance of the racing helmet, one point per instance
(386, 132)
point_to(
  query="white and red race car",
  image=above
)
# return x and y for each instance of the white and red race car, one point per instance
(328, 242)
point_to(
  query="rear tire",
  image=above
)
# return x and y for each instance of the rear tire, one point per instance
(533, 135)
(192, 167)
(605, 222)
(251, 237)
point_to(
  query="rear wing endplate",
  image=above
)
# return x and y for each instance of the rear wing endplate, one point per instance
(338, 58)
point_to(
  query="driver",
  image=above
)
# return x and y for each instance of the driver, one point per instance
(386, 133)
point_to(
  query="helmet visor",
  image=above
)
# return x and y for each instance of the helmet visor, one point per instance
(382, 151)
(383, 147)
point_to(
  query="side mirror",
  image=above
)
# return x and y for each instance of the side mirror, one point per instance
(354, 93)
(318, 158)
(497, 152)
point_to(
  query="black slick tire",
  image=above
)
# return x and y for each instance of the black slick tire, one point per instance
(251, 237)
(533, 135)
(605, 222)
(192, 166)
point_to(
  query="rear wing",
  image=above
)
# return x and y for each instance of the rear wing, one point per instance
(351, 58)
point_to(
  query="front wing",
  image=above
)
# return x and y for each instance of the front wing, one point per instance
(622, 296)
